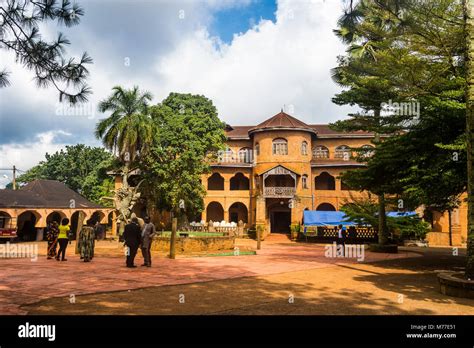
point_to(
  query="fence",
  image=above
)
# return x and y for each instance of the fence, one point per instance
(353, 234)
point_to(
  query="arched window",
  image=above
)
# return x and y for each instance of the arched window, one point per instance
(304, 148)
(321, 152)
(226, 156)
(324, 181)
(343, 152)
(215, 182)
(304, 181)
(257, 149)
(367, 151)
(280, 146)
(239, 182)
(245, 155)
(326, 207)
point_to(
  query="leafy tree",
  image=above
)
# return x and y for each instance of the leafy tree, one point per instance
(415, 51)
(365, 212)
(80, 167)
(363, 74)
(128, 130)
(187, 130)
(468, 8)
(20, 33)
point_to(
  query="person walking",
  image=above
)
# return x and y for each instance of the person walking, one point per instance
(148, 232)
(86, 242)
(341, 238)
(63, 239)
(132, 238)
(52, 238)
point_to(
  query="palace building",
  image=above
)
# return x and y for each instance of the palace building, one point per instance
(270, 173)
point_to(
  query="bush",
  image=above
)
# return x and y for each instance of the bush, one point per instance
(411, 229)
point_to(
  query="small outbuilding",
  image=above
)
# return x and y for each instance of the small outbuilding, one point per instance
(30, 208)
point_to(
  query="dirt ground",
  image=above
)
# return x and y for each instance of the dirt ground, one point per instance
(393, 286)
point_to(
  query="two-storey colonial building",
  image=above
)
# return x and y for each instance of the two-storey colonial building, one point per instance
(271, 172)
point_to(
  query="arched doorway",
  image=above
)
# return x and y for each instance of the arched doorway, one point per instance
(110, 220)
(215, 212)
(5, 220)
(74, 222)
(26, 223)
(238, 211)
(326, 207)
(97, 216)
(279, 214)
(55, 216)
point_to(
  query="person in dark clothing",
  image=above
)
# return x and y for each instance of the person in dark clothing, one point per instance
(341, 238)
(132, 238)
(148, 232)
(52, 238)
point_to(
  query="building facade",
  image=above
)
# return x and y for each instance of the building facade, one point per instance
(30, 208)
(270, 173)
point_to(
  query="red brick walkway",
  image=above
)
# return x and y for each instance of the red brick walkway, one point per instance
(23, 281)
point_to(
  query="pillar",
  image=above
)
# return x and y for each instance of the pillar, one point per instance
(260, 217)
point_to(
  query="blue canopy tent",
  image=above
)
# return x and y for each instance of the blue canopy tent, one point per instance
(401, 214)
(335, 218)
(325, 218)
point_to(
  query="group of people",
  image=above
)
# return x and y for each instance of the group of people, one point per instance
(134, 237)
(60, 234)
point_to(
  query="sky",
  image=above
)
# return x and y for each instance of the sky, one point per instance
(250, 57)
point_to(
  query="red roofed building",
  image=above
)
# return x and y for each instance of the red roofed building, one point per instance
(270, 173)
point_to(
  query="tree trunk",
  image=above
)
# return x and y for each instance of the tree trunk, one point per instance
(80, 222)
(383, 230)
(469, 30)
(174, 227)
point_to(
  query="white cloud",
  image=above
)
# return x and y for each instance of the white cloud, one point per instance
(27, 155)
(271, 65)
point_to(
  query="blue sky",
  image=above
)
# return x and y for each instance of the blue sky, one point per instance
(250, 57)
(234, 20)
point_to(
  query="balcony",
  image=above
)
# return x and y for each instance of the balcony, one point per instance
(279, 192)
(231, 157)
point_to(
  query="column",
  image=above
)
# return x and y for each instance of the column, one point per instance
(260, 217)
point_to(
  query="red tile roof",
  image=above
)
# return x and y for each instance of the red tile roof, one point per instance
(44, 194)
(281, 120)
(284, 121)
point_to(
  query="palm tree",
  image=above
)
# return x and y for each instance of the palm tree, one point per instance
(129, 129)
(469, 23)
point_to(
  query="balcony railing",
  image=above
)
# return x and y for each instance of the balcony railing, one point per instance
(235, 157)
(279, 192)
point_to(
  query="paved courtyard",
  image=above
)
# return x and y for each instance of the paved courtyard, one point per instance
(283, 278)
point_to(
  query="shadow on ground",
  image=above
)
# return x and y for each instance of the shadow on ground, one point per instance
(397, 286)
